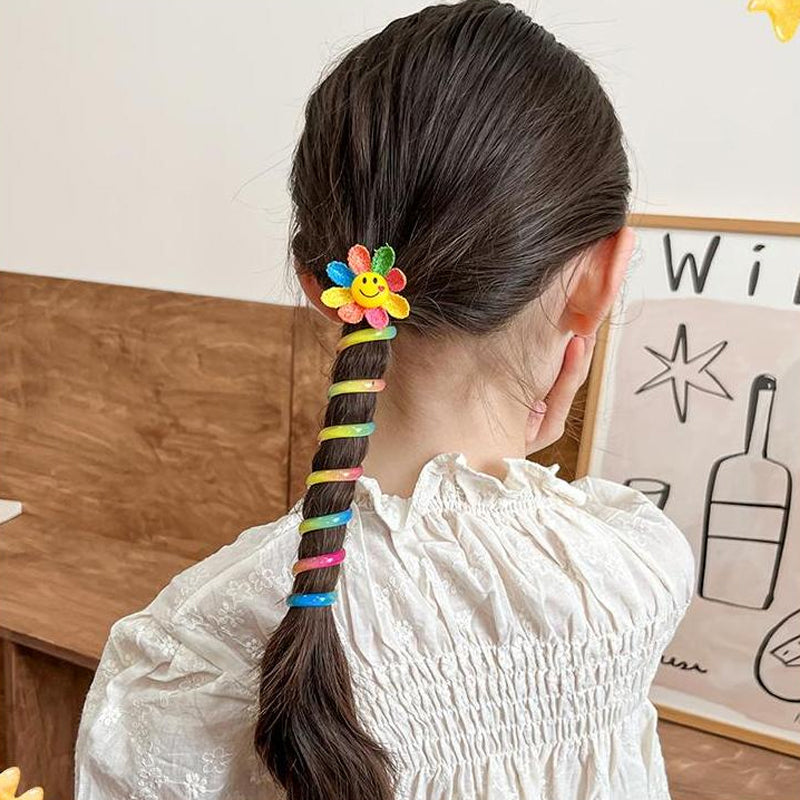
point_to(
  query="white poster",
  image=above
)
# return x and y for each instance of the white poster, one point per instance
(699, 407)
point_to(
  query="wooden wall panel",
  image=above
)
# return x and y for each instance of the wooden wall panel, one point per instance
(41, 718)
(61, 594)
(151, 417)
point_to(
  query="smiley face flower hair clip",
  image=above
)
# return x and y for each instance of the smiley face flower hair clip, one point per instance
(366, 288)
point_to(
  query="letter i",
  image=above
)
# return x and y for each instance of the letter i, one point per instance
(754, 272)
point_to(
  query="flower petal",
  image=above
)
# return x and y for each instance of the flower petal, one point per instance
(335, 297)
(377, 317)
(396, 280)
(351, 313)
(383, 259)
(358, 259)
(340, 273)
(397, 306)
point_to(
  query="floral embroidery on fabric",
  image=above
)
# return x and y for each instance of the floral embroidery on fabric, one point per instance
(502, 637)
(195, 785)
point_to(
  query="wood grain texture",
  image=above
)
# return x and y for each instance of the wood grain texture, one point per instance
(45, 702)
(150, 417)
(701, 766)
(717, 224)
(61, 594)
(718, 728)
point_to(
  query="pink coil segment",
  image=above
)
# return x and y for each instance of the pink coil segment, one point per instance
(329, 475)
(318, 562)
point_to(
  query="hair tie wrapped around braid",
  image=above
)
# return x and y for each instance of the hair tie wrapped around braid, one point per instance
(366, 289)
(476, 187)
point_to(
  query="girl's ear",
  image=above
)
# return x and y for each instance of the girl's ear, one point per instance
(596, 283)
(312, 290)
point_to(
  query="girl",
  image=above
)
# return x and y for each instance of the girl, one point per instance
(460, 183)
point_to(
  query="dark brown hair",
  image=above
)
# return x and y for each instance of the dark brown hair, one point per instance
(488, 155)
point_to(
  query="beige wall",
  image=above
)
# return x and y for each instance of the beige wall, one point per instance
(146, 142)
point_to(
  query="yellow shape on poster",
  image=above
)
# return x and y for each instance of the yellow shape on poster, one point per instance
(785, 15)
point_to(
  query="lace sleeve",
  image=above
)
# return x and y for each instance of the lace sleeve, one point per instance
(163, 721)
(646, 528)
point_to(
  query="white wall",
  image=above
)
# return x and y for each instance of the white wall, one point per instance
(147, 142)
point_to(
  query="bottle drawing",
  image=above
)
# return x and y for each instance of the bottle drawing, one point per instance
(746, 514)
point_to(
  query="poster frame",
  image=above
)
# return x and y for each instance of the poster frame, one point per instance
(594, 396)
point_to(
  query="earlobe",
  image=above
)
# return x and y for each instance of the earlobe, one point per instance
(312, 290)
(591, 296)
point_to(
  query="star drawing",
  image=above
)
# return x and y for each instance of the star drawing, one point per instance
(681, 372)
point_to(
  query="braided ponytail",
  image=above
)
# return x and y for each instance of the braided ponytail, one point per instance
(308, 733)
(490, 155)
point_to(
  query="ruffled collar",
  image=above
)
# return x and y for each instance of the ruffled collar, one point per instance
(448, 482)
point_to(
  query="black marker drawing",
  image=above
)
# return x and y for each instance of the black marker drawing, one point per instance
(682, 665)
(755, 271)
(682, 372)
(746, 514)
(777, 663)
(654, 489)
(699, 278)
(797, 292)
(788, 652)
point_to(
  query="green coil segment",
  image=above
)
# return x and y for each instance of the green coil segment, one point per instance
(366, 335)
(354, 431)
(326, 521)
(331, 475)
(356, 386)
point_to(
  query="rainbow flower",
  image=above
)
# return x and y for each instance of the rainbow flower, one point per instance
(365, 287)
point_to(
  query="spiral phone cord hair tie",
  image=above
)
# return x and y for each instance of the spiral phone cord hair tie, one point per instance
(366, 291)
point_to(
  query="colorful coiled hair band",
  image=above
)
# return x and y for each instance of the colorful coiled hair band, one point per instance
(376, 273)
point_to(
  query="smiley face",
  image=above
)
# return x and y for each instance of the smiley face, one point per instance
(369, 289)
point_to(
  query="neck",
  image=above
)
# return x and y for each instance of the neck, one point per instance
(443, 404)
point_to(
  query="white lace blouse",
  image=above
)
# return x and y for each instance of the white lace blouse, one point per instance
(502, 637)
